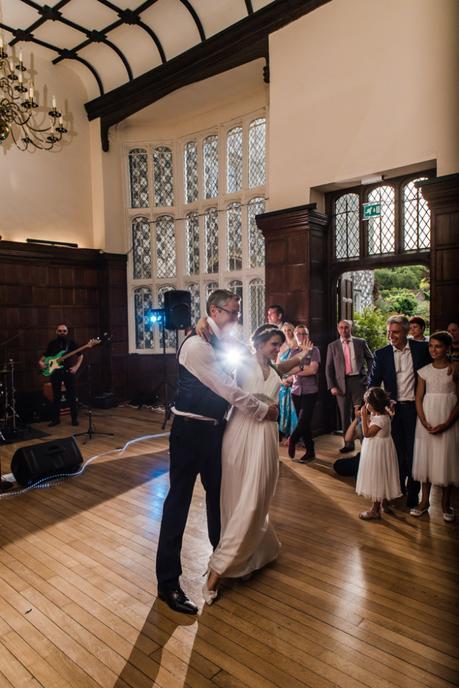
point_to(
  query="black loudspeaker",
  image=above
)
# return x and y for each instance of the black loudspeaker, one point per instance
(37, 461)
(177, 306)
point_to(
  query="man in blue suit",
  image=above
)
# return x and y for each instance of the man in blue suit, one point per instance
(396, 366)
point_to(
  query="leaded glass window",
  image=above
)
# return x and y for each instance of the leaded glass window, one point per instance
(234, 160)
(141, 248)
(138, 177)
(169, 334)
(210, 156)
(347, 242)
(236, 287)
(234, 236)
(210, 287)
(257, 152)
(194, 290)
(143, 328)
(165, 246)
(256, 238)
(211, 234)
(163, 176)
(257, 303)
(381, 230)
(190, 169)
(416, 217)
(192, 244)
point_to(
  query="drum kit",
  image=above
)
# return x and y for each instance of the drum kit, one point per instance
(8, 415)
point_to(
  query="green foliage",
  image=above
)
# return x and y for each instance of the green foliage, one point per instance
(405, 277)
(404, 290)
(398, 301)
(371, 325)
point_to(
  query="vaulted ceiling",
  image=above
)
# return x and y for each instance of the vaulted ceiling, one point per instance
(131, 53)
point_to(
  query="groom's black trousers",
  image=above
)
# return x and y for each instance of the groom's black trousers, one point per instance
(195, 449)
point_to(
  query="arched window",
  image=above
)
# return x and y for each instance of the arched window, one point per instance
(381, 230)
(210, 156)
(256, 238)
(143, 329)
(234, 236)
(190, 171)
(257, 152)
(416, 217)
(234, 160)
(210, 287)
(192, 244)
(347, 243)
(169, 334)
(236, 287)
(165, 246)
(257, 303)
(193, 288)
(141, 248)
(211, 235)
(138, 177)
(163, 176)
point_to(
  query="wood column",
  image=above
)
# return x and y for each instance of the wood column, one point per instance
(442, 195)
(297, 277)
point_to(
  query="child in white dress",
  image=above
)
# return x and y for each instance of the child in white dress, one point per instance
(378, 477)
(436, 443)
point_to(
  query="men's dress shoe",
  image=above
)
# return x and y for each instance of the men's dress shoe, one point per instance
(449, 516)
(419, 512)
(306, 458)
(291, 448)
(176, 599)
(347, 448)
(53, 423)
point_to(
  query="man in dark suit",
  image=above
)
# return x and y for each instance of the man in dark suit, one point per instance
(348, 361)
(396, 366)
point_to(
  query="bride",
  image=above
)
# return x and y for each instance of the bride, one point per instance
(250, 468)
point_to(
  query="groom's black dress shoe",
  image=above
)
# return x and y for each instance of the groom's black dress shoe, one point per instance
(176, 599)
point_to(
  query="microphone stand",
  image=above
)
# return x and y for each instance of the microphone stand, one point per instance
(90, 432)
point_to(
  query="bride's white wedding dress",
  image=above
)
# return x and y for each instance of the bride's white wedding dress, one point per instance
(250, 468)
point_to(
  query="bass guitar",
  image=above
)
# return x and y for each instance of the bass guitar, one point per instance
(52, 363)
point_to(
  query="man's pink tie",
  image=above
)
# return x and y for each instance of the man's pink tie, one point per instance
(347, 358)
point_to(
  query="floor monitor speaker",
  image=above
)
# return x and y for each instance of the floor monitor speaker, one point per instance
(177, 306)
(37, 461)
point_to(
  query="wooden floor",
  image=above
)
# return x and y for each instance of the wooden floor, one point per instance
(347, 604)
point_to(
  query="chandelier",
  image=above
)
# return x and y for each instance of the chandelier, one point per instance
(17, 105)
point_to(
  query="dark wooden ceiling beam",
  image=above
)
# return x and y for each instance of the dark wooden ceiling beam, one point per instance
(243, 42)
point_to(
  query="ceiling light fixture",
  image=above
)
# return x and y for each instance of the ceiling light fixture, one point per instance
(17, 104)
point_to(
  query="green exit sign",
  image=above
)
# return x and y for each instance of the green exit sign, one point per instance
(371, 210)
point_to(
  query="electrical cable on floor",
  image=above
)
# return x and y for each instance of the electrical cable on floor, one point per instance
(59, 477)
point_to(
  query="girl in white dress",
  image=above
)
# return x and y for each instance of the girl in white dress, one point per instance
(378, 477)
(250, 468)
(436, 443)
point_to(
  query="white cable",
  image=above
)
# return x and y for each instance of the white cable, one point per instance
(55, 479)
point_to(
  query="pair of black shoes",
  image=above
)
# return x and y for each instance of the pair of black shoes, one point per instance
(177, 600)
(306, 458)
(58, 422)
(347, 448)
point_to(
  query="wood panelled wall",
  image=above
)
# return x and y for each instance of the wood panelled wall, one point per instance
(41, 286)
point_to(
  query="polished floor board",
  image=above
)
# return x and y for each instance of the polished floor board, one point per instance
(348, 604)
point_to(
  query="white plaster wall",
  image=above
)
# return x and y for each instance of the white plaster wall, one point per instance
(47, 194)
(360, 87)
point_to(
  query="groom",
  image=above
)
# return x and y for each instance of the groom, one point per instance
(204, 395)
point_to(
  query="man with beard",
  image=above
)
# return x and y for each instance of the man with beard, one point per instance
(65, 375)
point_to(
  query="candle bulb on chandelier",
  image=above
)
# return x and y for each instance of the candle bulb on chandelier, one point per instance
(31, 92)
(20, 59)
(53, 102)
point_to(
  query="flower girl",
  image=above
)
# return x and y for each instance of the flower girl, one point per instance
(436, 442)
(378, 477)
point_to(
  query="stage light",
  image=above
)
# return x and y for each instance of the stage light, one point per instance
(155, 316)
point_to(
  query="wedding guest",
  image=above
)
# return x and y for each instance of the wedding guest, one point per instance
(305, 387)
(417, 327)
(396, 366)
(436, 444)
(287, 413)
(378, 477)
(350, 465)
(348, 362)
(453, 329)
(275, 315)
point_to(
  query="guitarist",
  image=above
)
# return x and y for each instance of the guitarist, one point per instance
(64, 375)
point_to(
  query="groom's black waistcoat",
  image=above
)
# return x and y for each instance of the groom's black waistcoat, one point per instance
(194, 397)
